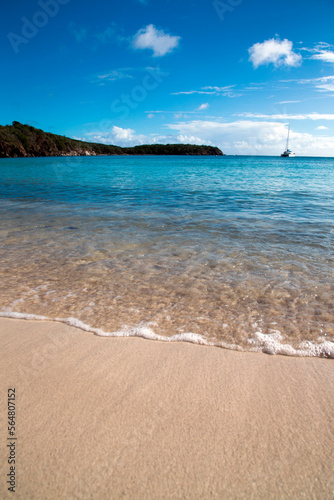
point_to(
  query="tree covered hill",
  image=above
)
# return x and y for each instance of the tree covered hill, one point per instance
(18, 140)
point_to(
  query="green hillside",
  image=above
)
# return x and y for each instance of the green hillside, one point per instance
(19, 140)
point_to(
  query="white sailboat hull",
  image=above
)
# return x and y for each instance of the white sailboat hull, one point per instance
(288, 154)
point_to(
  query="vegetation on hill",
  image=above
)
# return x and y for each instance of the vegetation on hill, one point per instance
(172, 149)
(19, 140)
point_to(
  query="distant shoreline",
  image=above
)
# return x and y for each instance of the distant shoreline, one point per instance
(157, 155)
(18, 140)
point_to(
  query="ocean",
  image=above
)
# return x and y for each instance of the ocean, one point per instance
(236, 252)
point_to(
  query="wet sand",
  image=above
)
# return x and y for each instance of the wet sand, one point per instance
(107, 418)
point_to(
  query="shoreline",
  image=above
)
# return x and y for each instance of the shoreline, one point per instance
(262, 343)
(124, 417)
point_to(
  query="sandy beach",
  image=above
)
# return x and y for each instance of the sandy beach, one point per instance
(130, 418)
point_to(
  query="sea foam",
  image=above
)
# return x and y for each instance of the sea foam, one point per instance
(261, 342)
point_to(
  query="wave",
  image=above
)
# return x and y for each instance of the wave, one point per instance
(261, 342)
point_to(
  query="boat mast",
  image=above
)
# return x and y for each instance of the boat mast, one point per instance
(287, 141)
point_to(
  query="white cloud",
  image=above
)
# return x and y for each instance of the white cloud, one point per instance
(254, 137)
(324, 55)
(275, 51)
(157, 40)
(226, 91)
(176, 113)
(321, 79)
(122, 134)
(191, 139)
(203, 106)
(287, 102)
(150, 115)
(321, 127)
(116, 74)
(190, 92)
(309, 116)
(323, 51)
(323, 46)
(227, 88)
(329, 87)
(324, 83)
(107, 133)
(180, 115)
(235, 137)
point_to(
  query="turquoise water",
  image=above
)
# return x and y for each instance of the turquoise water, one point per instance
(236, 251)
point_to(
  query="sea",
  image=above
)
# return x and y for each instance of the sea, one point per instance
(229, 251)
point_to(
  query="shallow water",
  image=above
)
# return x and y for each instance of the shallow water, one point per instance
(237, 251)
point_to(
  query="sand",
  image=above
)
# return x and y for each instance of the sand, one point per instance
(106, 418)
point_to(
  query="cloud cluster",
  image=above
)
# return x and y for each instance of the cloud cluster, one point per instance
(324, 83)
(107, 133)
(226, 91)
(253, 137)
(241, 137)
(274, 51)
(151, 38)
(323, 51)
(122, 134)
(301, 116)
(325, 56)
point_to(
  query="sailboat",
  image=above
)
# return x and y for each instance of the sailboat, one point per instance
(287, 152)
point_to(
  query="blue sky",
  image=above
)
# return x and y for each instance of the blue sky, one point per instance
(231, 73)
